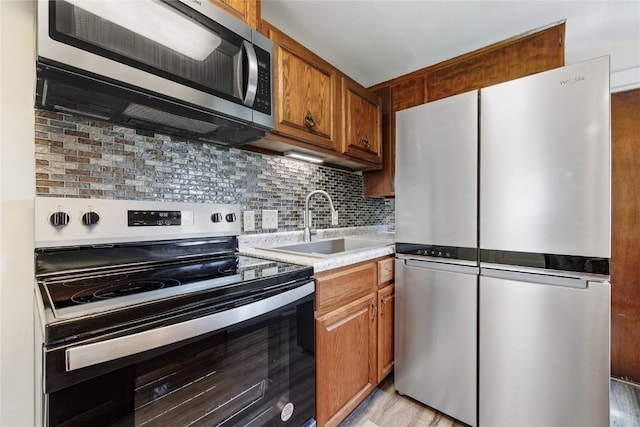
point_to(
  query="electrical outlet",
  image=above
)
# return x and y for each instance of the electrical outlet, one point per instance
(269, 219)
(334, 217)
(249, 218)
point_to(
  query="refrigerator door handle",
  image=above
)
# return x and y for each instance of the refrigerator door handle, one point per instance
(542, 279)
(437, 260)
(442, 266)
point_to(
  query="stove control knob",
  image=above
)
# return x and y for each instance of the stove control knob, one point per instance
(59, 219)
(216, 217)
(231, 217)
(90, 218)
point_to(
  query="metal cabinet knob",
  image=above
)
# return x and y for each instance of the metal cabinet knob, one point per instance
(309, 121)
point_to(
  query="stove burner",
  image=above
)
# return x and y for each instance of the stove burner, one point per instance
(123, 289)
(92, 282)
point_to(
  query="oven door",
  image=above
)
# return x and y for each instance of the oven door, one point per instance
(254, 366)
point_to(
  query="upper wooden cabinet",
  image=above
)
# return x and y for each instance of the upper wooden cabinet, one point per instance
(408, 93)
(305, 92)
(514, 58)
(361, 115)
(246, 10)
(319, 110)
(381, 182)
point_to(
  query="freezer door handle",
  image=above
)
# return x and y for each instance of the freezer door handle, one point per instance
(542, 279)
(442, 266)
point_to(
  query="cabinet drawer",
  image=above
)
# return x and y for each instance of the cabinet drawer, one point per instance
(385, 270)
(340, 287)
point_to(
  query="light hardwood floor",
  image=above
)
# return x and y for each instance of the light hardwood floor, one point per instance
(625, 404)
(385, 408)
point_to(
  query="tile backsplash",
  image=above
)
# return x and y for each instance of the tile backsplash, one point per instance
(79, 157)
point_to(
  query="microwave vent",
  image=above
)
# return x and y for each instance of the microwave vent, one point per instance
(143, 112)
(81, 112)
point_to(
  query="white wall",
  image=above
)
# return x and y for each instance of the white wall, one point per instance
(17, 188)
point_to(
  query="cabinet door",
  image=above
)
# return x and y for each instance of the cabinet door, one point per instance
(386, 301)
(345, 359)
(361, 115)
(380, 182)
(305, 89)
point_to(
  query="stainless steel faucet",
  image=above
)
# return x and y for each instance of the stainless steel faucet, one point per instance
(307, 231)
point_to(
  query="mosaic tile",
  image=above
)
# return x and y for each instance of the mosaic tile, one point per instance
(117, 162)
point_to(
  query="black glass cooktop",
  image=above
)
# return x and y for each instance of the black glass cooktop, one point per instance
(101, 286)
(192, 275)
(122, 283)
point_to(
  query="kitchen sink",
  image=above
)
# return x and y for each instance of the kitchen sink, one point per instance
(330, 247)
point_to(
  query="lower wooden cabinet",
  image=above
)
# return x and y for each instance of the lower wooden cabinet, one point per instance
(386, 302)
(354, 336)
(345, 359)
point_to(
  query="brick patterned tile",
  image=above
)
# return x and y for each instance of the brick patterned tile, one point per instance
(115, 162)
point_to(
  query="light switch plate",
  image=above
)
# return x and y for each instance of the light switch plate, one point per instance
(334, 217)
(249, 219)
(269, 219)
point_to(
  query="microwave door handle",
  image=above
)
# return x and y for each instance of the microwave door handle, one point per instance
(252, 81)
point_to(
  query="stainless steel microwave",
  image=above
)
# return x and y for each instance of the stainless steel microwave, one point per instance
(180, 67)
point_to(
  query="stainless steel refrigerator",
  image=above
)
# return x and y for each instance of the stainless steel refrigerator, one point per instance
(437, 263)
(545, 248)
(514, 179)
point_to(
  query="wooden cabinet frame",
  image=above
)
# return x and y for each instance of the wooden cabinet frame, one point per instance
(249, 11)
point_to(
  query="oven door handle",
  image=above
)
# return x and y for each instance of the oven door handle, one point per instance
(103, 351)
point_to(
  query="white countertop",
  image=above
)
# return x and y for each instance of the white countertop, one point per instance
(251, 244)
